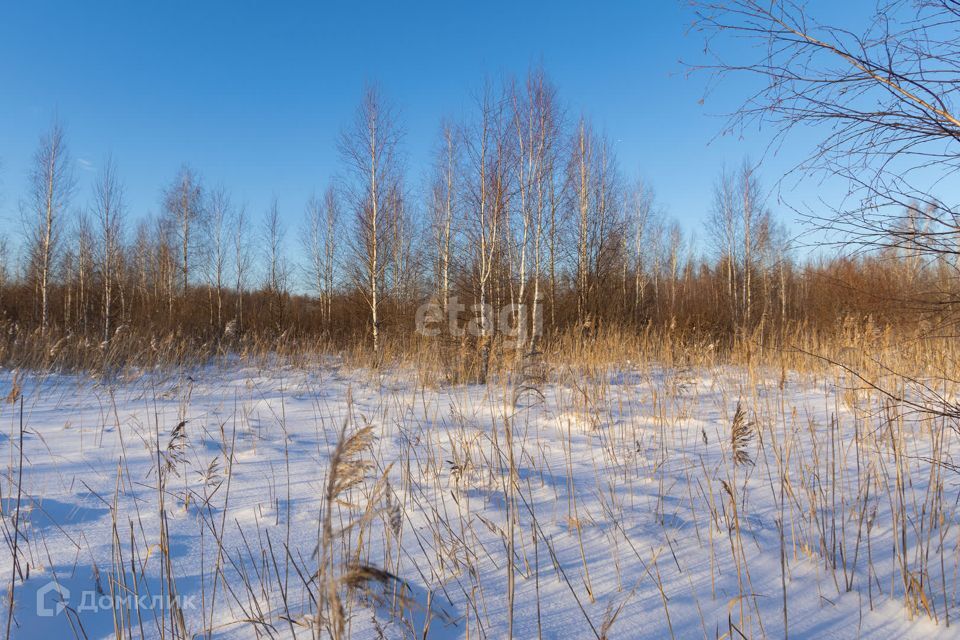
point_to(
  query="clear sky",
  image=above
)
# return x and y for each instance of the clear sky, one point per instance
(253, 94)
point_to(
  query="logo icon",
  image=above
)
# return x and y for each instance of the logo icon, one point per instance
(59, 600)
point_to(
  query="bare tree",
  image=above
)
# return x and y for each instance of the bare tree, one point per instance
(142, 263)
(402, 267)
(583, 150)
(220, 217)
(675, 234)
(725, 232)
(368, 148)
(640, 209)
(84, 265)
(658, 251)
(321, 224)
(535, 128)
(750, 211)
(165, 261)
(241, 262)
(592, 177)
(486, 206)
(51, 185)
(443, 208)
(183, 202)
(277, 268)
(109, 211)
(557, 205)
(881, 101)
(739, 223)
(331, 206)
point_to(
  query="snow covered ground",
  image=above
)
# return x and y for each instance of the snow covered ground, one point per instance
(629, 515)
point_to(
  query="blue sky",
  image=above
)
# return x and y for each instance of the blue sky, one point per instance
(254, 94)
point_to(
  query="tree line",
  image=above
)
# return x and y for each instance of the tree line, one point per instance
(523, 203)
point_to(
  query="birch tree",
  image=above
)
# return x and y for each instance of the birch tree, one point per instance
(320, 228)
(277, 272)
(241, 263)
(443, 205)
(640, 209)
(535, 121)
(368, 149)
(581, 178)
(51, 186)
(331, 204)
(183, 202)
(401, 268)
(484, 149)
(675, 235)
(592, 177)
(220, 217)
(724, 224)
(109, 211)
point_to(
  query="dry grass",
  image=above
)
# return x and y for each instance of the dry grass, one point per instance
(828, 480)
